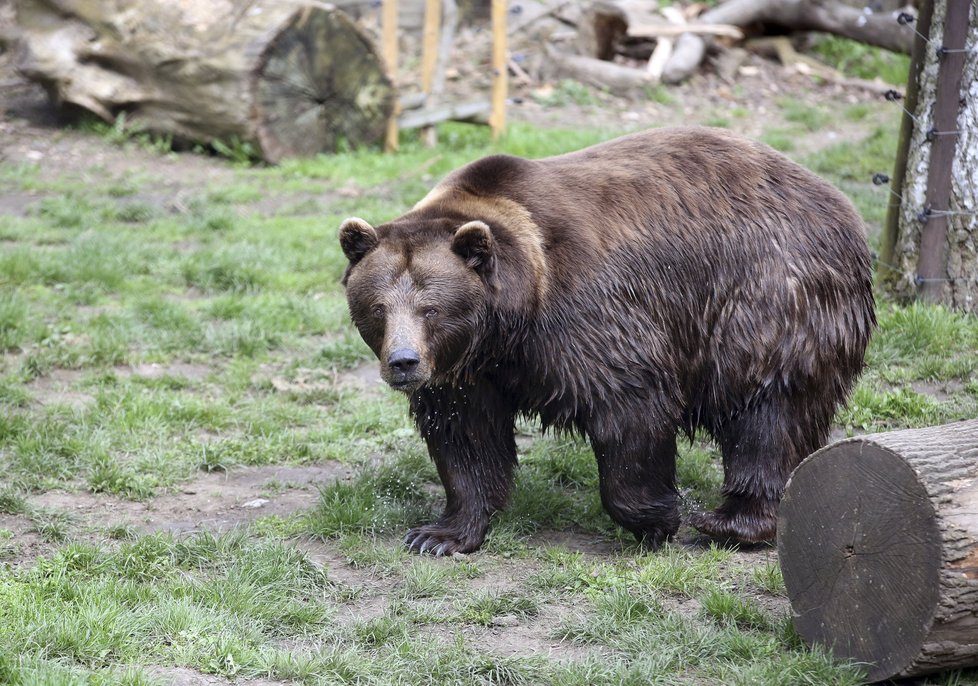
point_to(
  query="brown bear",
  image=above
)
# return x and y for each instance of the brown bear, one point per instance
(675, 279)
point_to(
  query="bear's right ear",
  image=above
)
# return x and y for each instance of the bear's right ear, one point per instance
(357, 238)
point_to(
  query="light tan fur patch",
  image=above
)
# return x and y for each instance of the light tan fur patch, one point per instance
(503, 211)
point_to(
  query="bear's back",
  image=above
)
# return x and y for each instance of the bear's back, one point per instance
(707, 262)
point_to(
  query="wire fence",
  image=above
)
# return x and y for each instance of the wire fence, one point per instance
(941, 133)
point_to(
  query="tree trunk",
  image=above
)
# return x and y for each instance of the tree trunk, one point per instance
(878, 542)
(929, 243)
(292, 78)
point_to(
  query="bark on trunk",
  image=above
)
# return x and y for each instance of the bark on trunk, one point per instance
(905, 251)
(878, 542)
(293, 78)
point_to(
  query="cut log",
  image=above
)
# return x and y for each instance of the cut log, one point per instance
(878, 542)
(292, 78)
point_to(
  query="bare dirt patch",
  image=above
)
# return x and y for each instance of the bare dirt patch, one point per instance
(940, 391)
(218, 501)
(510, 636)
(25, 545)
(182, 676)
(58, 388)
(364, 377)
(154, 370)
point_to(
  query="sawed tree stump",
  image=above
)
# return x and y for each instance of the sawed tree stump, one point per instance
(878, 541)
(292, 77)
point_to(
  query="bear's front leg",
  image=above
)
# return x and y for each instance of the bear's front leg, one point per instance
(637, 471)
(469, 433)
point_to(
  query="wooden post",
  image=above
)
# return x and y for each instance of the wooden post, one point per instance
(429, 49)
(429, 62)
(389, 40)
(878, 543)
(497, 120)
(932, 266)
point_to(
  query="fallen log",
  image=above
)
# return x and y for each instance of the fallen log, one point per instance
(878, 542)
(600, 74)
(293, 78)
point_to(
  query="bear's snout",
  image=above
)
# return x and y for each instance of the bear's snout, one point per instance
(403, 367)
(403, 361)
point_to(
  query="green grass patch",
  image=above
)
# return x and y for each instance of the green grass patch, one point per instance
(811, 117)
(864, 61)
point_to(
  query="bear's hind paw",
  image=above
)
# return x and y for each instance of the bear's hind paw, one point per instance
(740, 527)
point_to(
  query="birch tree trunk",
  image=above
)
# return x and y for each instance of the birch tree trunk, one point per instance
(944, 266)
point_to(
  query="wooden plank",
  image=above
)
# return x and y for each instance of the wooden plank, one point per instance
(388, 21)
(497, 119)
(429, 48)
(660, 30)
(932, 265)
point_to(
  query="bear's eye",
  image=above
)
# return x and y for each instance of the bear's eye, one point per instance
(377, 311)
(430, 313)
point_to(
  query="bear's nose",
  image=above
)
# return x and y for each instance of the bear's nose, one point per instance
(403, 361)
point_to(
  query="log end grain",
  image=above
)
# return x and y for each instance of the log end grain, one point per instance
(860, 550)
(318, 84)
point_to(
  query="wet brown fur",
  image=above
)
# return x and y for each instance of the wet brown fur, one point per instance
(671, 280)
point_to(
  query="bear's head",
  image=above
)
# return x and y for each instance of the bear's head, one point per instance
(418, 293)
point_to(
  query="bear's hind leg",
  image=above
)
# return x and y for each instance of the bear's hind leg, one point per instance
(637, 472)
(760, 446)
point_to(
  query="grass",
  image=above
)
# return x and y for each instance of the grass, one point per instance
(148, 345)
(864, 61)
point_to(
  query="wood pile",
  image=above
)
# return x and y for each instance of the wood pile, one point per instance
(624, 45)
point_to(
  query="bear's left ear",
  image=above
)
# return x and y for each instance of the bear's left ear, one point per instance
(473, 242)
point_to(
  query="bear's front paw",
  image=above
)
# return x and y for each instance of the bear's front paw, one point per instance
(653, 539)
(441, 539)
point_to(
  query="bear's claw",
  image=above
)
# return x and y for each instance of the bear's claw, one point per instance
(438, 540)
